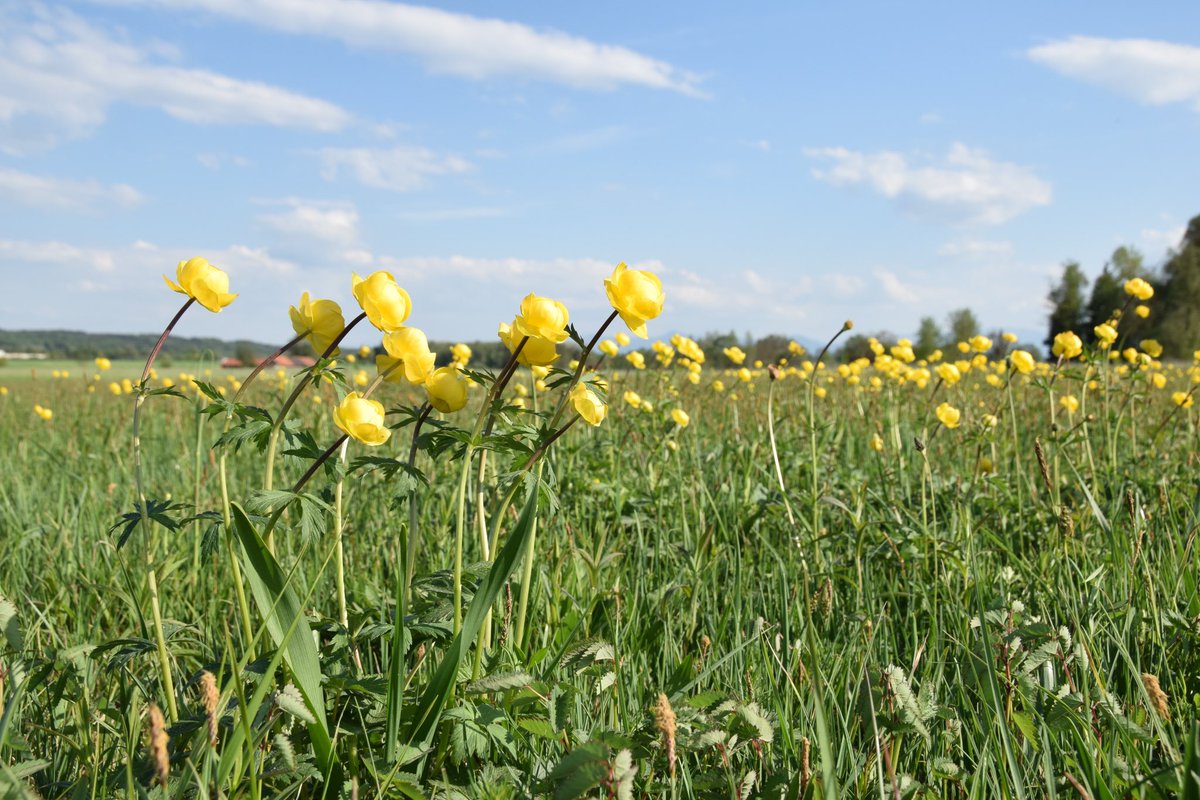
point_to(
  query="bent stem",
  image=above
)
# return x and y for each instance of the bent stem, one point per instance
(775, 450)
(812, 436)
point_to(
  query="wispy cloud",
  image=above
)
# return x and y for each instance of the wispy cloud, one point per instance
(1149, 71)
(59, 75)
(965, 185)
(64, 194)
(400, 169)
(452, 214)
(975, 248)
(1165, 238)
(334, 224)
(455, 43)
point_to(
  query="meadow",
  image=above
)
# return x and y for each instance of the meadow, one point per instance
(968, 575)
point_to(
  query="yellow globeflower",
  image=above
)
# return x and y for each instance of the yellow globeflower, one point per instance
(980, 344)
(1159, 380)
(736, 355)
(362, 419)
(622, 338)
(876, 442)
(385, 303)
(636, 295)
(447, 389)
(461, 354)
(1067, 345)
(609, 348)
(103, 364)
(681, 417)
(1070, 402)
(1152, 348)
(1009, 338)
(1106, 334)
(1139, 288)
(718, 386)
(321, 319)
(636, 360)
(588, 404)
(948, 415)
(948, 373)
(1142, 311)
(203, 282)
(364, 351)
(537, 352)
(1183, 399)
(632, 398)
(542, 318)
(409, 345)
(44, 413)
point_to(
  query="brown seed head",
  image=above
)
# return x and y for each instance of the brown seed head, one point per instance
(211, 698)
(158, 745)
(664, 720)
(1158, 698)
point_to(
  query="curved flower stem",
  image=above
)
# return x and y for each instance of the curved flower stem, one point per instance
(775, 449)
(812, 436)
(583, 357)
(164, 661)
(277, 423)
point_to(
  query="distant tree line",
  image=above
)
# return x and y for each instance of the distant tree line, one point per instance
(82, 346)
(1174, 319)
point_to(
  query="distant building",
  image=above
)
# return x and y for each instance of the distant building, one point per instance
(4, 354)
(302, 362)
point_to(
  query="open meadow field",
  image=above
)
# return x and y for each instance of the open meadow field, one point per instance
(973, 574)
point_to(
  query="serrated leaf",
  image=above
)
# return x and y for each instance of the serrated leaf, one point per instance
(289, 699)
(11, 624)
(500, 682)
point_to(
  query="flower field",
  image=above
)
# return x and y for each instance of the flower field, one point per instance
(610, 568)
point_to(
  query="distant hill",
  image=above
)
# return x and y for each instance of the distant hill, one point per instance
(82, 346)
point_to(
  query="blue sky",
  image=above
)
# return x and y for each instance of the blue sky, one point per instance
(783, 166)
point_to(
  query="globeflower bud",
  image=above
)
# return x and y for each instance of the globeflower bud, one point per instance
(680, 417)
(588, 404)
(385, 303)
(362, 419)
(1023, 361)
(1139, 288)
(636, 295)
(446, 388)
(542, 318)
(1067, 345)
(203, 282)
(409, 345)
(321, 319)
(536, 352)
(948, 415)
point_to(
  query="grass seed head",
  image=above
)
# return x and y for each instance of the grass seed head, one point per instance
(1158, 698)
(158, 745)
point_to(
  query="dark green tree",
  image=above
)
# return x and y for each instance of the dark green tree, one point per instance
(962, 325)
(1178, 306)
(929, 338)
(1068, 309)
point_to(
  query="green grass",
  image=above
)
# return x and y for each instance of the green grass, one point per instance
(924, 629)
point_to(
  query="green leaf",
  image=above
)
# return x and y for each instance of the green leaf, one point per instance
(433, 701)
(500, 682)
(289, 628)
(11, 625)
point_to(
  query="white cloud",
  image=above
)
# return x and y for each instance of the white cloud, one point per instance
(1149, 71)
(400, 169)
(59, 75)
(64, 194)
(966, 185)
(217, 161)
(329, 223)
(455, 43)
(975, 248)
(1165, 238)
(894, 288)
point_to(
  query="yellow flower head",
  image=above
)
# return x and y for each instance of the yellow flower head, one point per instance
(636, 295)
(103, 363)
(980, 344)
(1139, 288)
(542, 318)
(409, 345)
(1067, 345)
(632, 398)
(385, 303)
(1023, 361)
(1152, 348)
(622, 338)
(1008, 337)
(609, 348)
(735, 354)
(203, 282)
(1070, 402)
(537, 352)
(446, 388)
(321, 319)
(636, 360)
(948, 373)
(588, 404)
(680, 417)
(362, 419)
(44, 413)
(876, 442)
(460, 354)
(1142, 311)
(948, 415)
(1105, 333)
(1183, 399)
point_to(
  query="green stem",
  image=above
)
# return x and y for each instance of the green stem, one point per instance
(164, 660)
